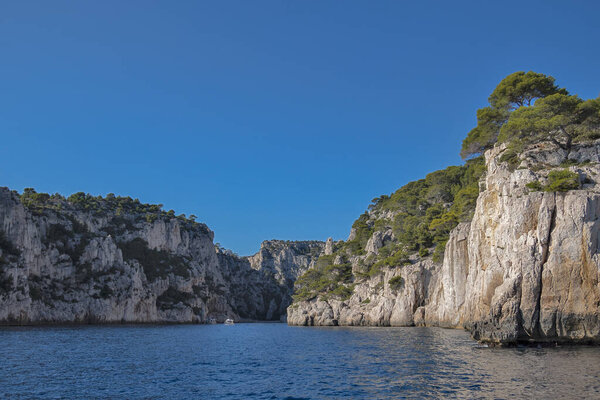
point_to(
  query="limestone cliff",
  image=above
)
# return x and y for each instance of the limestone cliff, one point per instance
(111, 260)
(525, 268)
(262, 284)
(522, 266)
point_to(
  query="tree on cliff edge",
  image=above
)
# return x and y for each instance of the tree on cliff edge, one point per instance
(560, 118)
(519, 89)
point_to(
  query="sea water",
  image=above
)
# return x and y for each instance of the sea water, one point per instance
(276, 361)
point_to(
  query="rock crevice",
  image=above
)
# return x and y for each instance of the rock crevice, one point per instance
(524, 269)
(93, 261)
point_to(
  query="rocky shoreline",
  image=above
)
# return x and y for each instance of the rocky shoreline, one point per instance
(524, 270)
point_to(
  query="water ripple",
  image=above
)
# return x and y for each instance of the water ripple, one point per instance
(274, 361)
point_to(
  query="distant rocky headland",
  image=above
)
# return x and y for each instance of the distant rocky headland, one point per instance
(86, 259)
(505, 246)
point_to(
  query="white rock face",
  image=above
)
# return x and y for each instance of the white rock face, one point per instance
(286, 260)
(73, 265)
(329, 247)
(58, 275)
(533, 271)
(374, 302)
(526, 268)
(262, 285)
(377, 241)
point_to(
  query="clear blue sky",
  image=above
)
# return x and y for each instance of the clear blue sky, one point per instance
(278, 119)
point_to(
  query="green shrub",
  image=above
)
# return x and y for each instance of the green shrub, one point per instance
(425, 211)
(535, 186)
(66, 239)
(343, 292)
(78, 227)
(444, 224)
(398, 259)
(375, 269)
(34, 201)
(568, 163)
(325, 277)
(438, 253)
(120, 206)
(75, 251)
(119, 225)
(464, 202)
(362, 234)
(99, 206)
(425, 219)
(156, 263)
(558, 181)
(396, 282)
(58, 232)
(511, 157)
(562, 181)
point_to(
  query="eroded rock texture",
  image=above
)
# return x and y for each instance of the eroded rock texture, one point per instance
(524, 269)
(92, 262)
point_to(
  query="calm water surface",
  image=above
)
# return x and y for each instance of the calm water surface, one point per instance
(274, 361)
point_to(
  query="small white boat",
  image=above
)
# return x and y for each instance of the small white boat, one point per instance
(229, 321)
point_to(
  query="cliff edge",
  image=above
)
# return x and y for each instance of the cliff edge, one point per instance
(525, 268)
(90, 259)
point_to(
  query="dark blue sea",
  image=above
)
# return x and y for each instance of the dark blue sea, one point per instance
(275, 361)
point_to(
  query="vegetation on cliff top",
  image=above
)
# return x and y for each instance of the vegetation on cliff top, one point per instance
(422, 215)
(117, 207)
(527, 107)
(326, 277)
(115, 215)
(561, 180)
(416, 220)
